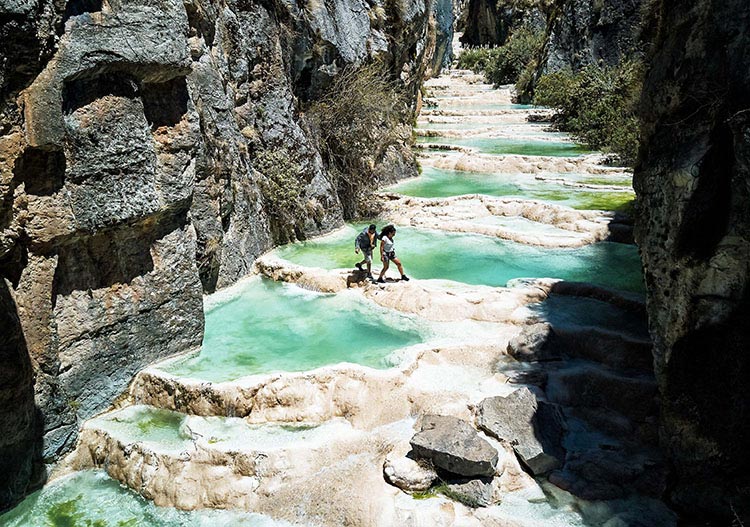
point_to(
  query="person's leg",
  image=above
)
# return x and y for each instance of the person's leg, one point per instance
(400, 268)
(385, 268)
(368, 259)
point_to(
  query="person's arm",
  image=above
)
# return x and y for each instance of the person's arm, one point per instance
(382, 256)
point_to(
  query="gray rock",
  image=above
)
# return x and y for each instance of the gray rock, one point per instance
(533, 428)
(454, 446)
(587, 31)
(472, 493)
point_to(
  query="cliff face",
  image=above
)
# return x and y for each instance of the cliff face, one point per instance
(693, 185)
(583, 32)
(130, 138)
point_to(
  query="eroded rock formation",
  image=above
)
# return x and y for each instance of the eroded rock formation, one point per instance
(693, 182)
(132, 137)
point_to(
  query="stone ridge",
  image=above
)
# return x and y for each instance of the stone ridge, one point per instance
(129, 186)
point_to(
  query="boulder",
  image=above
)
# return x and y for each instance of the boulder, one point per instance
(454, 446)
(471, 492)
(533, 428)
(534, 344)
(406, 473)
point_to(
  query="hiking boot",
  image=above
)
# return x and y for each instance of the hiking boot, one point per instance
(404, 278)
(380, 281)
(371, 277)
(358, 265)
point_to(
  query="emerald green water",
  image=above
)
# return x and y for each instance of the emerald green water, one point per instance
(474, 259)
(93, 499)
(441, 183)
(511, 146)
(294, 330)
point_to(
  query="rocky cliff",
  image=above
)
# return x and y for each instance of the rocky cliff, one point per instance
(693, 228)
(490, 22)
(134, 138)
(583, 32)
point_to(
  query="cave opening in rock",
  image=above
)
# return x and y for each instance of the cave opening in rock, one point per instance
(42, 171)
(79, 7)
(82, 91)
(165, 103)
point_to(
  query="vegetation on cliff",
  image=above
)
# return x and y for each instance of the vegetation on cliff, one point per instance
(506, 63)
(358, 119)
(597, 105)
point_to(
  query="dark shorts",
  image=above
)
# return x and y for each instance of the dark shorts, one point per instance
(390, 255)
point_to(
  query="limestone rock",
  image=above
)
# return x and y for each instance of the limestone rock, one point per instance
(455, 446)
(406, 473)
(534, 428)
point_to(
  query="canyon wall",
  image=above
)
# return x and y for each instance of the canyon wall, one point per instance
(693, 229)
(135, 139)
(583, 32)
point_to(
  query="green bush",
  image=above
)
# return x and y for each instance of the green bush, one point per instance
(597, 105)
(282, 186)
(509, 61)
(475, 59)
(504, 64)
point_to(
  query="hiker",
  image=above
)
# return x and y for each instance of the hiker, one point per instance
(366, 241)
(388, 253)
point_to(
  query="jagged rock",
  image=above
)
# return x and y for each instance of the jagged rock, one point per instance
(406, 473)
(533, 428)
(454, 445)
(472, 493)
(534, 343)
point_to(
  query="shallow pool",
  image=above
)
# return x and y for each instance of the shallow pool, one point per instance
(475, 259)
(93, 499)
(442, 183)
(166, 430)
(511, 146)
(270, 326)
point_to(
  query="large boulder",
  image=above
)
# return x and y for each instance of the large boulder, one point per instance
(533, 428)
(454, 446)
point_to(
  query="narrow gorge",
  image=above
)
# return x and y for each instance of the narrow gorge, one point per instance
(187, 341)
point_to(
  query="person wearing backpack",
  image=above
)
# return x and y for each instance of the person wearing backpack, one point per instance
(388, 253)
(366, 241)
